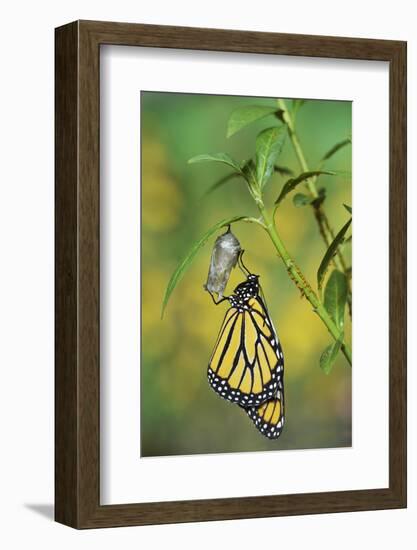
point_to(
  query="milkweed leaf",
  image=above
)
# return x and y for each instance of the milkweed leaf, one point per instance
(348, 208)
(336, 148)
(246, 115)
(335, 296)
(223, 158)
(292, 183)
(221, 182)
(283, 170)
(329, 355)
(330, 252)
(186, 262)
(269, 143)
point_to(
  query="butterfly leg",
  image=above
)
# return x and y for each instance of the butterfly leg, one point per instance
(218, 301)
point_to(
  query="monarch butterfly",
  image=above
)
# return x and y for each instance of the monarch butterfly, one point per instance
(247, 363)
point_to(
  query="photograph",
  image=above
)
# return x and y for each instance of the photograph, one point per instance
(208, 266)
(246, 274)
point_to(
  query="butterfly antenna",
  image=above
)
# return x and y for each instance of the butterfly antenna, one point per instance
(262, 294)
(242, 265)
(263, 299)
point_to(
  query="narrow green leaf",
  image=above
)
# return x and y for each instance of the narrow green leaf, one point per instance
(224, 158)
(335, 296)
(246, 115)
(283, 170)
(301, 200)
(269, 143)
(336, 148)
(330, 252)
(221, 182)
(293, 182)
(345, 173)
(348, 208)
(329, 355)
(183, 266)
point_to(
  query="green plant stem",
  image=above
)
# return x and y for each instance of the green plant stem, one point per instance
(322, 220)
(297, 146)
(299, 279)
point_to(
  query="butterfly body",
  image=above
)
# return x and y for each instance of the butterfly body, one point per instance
(247, 363)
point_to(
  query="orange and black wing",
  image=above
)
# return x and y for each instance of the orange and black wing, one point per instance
(246, 366)
(269, 417)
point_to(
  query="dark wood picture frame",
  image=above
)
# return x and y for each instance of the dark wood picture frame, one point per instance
(77, 374)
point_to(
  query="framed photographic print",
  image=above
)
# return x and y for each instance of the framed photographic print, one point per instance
(230, 274)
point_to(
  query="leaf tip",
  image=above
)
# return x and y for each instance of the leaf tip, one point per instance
(230, 132)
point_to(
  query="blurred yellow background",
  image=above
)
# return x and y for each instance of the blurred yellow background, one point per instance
(180, 414)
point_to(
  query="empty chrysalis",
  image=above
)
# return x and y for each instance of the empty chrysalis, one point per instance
(224, 257)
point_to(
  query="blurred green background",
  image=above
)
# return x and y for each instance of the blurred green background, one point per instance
(180, 414)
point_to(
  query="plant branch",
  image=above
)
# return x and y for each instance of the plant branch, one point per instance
(319, 213)
(254, 220)
(300, 281)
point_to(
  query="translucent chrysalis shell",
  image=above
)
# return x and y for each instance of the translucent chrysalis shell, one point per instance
(224, 257)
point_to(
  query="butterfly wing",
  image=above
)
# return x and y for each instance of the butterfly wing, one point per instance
(247, 363)
(269, 417)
